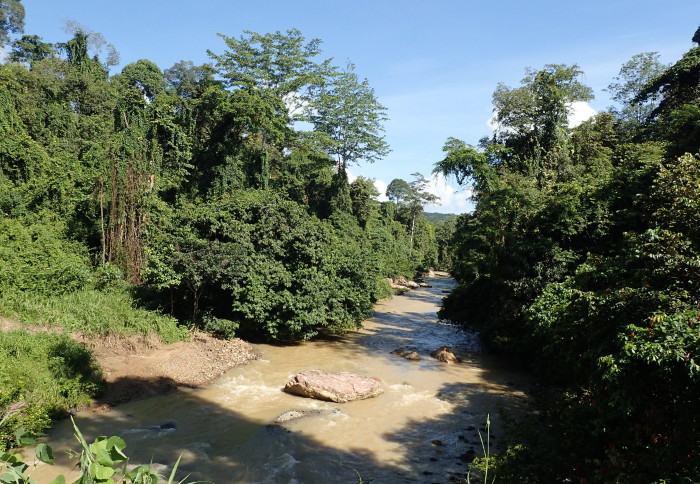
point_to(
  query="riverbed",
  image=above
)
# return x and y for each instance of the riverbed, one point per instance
(424, 427)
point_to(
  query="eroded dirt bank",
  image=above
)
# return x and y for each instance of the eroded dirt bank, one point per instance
(136, 367)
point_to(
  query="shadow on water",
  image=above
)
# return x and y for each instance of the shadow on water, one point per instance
(221, 445)
(231, 439)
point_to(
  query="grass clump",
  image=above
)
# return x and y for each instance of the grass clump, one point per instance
(42, 376)
(92, 312)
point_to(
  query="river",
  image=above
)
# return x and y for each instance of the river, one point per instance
(424, 428)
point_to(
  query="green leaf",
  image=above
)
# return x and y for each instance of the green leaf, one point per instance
(171, 479)
(99, 444)
(114, 446)
(102, 456)
(25, 438)
(59, 480)
(115, 441)
(13, 475)
(8, 457)
(44, 453)
(134, 473)
(100, 472)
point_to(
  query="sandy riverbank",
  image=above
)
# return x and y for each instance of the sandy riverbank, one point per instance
(135, 367)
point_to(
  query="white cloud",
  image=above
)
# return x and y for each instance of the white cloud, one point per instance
(580, 111)
(452, 200)
(381, 188)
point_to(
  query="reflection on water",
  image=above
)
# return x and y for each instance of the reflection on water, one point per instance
(423, 428)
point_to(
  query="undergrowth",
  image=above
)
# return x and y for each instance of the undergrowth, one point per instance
(46, 375)
(90, 311)
(42, 376)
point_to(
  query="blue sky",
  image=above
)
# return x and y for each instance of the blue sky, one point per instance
(434, 65)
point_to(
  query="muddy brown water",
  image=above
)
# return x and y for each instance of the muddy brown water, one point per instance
(424, 428)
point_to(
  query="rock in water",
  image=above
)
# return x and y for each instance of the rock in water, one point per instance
(295, 415)
(444, 354)
(332, 387)
(407, 353)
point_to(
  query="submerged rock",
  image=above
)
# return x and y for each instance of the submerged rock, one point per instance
(295, 415)
(332, 387)
(407, 353)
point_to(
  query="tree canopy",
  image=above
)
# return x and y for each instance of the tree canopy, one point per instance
(580, 259)
(11, 19)
(348, 119)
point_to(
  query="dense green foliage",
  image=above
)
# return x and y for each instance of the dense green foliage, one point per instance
(153, 201)
(261, 265)
(36, 257)
(582, 257)
(194, 185)
(410, 198)
(44, 376)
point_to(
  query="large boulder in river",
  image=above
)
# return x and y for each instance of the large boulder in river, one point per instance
(444, 354)
(332, 387)
(402, 283)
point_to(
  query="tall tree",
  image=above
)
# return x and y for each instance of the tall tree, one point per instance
(95, 44)
(633, 77)
(30, 49)
(363, 194)
(273, 74)
(282, 64)
(678, 85)
(532, 120)
(135, 163)
(348, 117)
(11, 19)
(188, 80)
(468, 165)
(678, 112)
(411, 198)
(398, 191)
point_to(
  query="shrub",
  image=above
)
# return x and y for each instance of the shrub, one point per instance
(36, 257)
(48, 373)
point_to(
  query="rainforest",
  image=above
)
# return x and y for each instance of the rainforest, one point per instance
(214, 198)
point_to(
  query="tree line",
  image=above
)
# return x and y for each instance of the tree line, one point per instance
(211, 196)
(582, 260)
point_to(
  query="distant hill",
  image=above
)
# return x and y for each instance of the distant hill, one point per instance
(436, 217)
